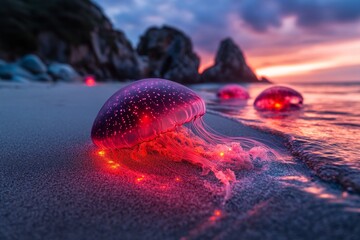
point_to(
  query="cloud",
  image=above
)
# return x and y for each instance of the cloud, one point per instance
(264, 29)
(263, 14)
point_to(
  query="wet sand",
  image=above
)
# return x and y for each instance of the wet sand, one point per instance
(53, 184)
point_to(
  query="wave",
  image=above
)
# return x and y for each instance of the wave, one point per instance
(316, 155)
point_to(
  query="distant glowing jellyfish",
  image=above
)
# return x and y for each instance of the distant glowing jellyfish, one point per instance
(278, 99)
(90, 81)
(163, 118)
(233, 91)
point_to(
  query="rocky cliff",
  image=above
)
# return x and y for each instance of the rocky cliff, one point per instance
(230, 65)
(169, 54)
(67, 31)
(75, 36)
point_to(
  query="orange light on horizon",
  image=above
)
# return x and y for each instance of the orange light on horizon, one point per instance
(313, 58)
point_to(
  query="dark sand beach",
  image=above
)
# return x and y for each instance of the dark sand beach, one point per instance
(53, 186)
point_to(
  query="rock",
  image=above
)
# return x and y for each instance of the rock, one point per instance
(264, 79)
(33, 64)
(19, 79)
(78, 34)
(43, 77)
(14, 71)
(169, 54)
(230, 65)
(63, 72)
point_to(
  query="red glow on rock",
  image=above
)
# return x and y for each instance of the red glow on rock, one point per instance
(278, 99)
(90, 81)
(232, 91)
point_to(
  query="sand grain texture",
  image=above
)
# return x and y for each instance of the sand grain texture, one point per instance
(51, 186)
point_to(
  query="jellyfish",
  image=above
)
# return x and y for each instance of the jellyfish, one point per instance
(90, 81)
(279, 99)
(159, 117)
(233, 91)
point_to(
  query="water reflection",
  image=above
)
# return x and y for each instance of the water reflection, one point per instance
(330, 115)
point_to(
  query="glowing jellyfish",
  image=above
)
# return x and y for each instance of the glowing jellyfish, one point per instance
(233, 91)
(160, 117)
(90, 81)
(278, 99)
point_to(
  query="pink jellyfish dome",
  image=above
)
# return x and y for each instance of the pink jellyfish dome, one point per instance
(142, 110)
(278, 99)
(232, 91)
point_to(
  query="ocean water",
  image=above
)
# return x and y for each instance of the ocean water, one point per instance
(324, 135)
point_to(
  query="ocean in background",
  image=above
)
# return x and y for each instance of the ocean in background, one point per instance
(325, 134)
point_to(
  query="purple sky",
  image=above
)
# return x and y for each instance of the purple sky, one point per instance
(287, 40)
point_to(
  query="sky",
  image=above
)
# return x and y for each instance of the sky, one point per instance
(285, 40)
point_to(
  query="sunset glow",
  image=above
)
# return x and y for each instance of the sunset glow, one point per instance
(282, 40)
(317, 57)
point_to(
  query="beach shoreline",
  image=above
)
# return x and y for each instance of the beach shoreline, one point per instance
(52, 186)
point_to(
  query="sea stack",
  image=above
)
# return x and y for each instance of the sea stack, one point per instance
(230, 65)
(169, 54)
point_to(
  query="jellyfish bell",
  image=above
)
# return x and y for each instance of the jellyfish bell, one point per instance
(142, 110)
(232, 91)
(278, 99)
(157, 117)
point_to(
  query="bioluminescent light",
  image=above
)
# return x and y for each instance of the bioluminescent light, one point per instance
(90, 81)
(278, 99)
(233, 91)
(163, 118)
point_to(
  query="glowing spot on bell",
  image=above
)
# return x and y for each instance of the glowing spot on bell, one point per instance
(110, 161)
(90, 81)
(278, 105)
(221, 154)
(177, 179)
(145, 119)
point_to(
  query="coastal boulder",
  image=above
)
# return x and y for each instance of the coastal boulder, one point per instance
(230, 65)
(13, 71)
(63, 72)
(76, 32)
(169, 54)
(33, 64)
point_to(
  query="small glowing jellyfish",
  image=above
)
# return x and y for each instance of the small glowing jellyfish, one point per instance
(278, 99)
(233, 91)
(90, 81)
(160, 117)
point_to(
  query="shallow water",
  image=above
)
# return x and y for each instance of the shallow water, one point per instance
(324, 134)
